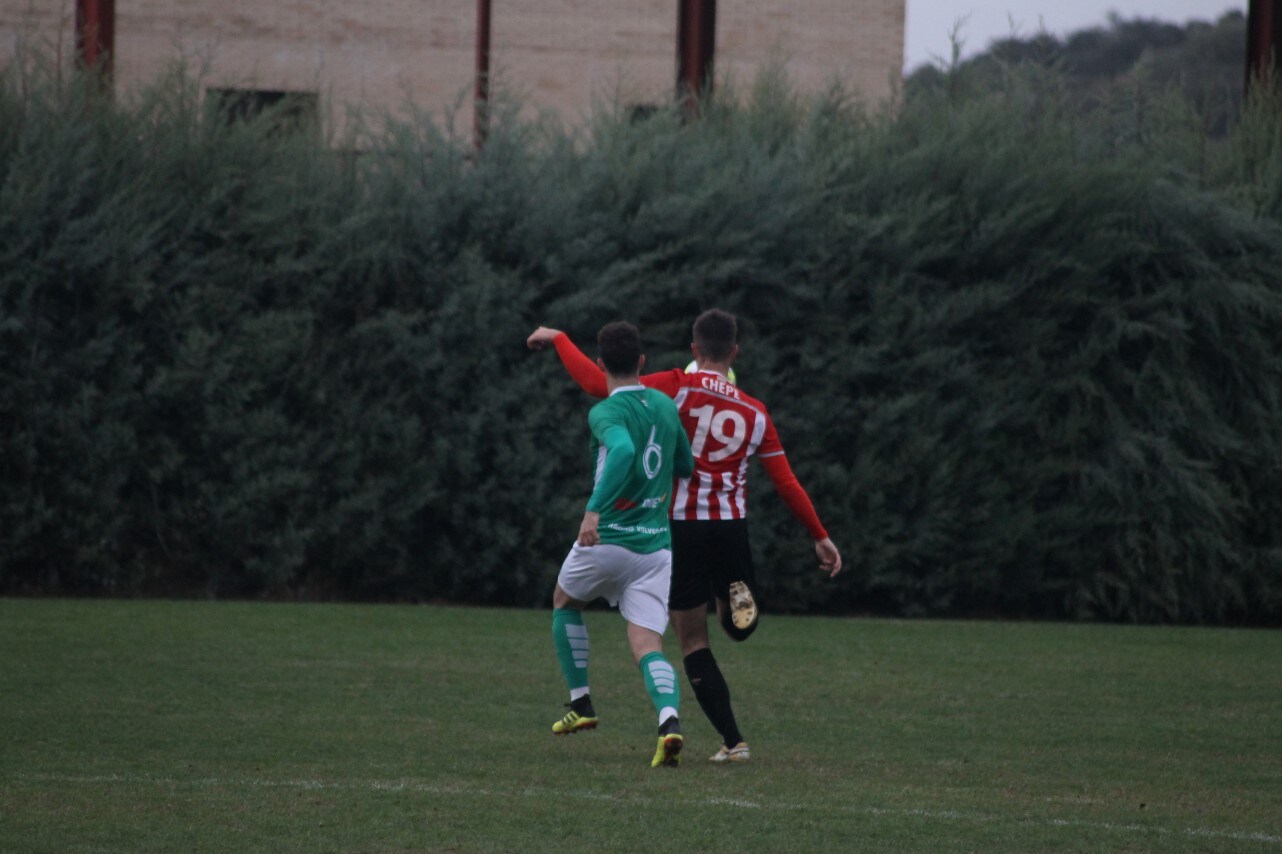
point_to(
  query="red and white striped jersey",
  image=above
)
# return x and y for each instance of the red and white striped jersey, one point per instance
(726, 427)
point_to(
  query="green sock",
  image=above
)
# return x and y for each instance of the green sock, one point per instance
(661, 685)
(570, 637)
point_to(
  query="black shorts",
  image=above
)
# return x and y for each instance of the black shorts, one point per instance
(708, 554)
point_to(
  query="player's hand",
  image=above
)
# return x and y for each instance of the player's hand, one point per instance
(588, 534)
(829, 557)
(541, 337)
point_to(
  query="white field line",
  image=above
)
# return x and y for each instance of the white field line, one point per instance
(477, 791)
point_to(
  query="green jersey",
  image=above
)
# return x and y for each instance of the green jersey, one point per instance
(639, 446)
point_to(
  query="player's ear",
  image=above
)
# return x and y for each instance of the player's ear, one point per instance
(601, 365)
(641, 364)
(734, 351)
(694, 351)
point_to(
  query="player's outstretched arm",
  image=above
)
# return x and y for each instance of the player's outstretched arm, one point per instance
(541, 337)
(582, 370)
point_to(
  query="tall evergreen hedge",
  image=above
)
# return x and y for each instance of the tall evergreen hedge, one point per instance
(1025, 356)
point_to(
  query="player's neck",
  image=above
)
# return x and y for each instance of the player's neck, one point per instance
(612, 382)
(722, 368)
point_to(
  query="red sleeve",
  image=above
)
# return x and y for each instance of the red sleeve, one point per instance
(582, 370)
(793, 495)
(668, 382)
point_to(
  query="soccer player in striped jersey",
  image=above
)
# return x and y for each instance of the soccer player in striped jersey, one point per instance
(623, 551)
(712, 558)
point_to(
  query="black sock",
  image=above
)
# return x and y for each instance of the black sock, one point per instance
(583, 705)
(713, 694)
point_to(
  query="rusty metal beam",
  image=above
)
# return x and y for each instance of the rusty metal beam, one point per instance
(696, 48)
(96, 35)
(1263, 39)
(481, 98)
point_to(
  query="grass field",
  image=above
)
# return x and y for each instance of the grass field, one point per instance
(165, 726)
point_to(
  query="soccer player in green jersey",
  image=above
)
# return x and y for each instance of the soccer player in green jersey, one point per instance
(624, 549)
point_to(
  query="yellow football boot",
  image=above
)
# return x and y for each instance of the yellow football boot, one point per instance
(668, 753)
(573, 722)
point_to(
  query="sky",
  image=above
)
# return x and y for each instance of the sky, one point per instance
(929, 22)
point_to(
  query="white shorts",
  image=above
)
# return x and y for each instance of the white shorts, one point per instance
(637, 583)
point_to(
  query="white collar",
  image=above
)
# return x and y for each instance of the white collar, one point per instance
(637, 387)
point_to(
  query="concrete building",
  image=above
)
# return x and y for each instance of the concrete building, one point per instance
(558, 55)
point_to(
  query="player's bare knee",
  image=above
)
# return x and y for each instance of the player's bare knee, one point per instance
(561, 599)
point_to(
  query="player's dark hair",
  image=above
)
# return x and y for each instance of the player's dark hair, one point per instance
(619, 345)
(715, 331)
